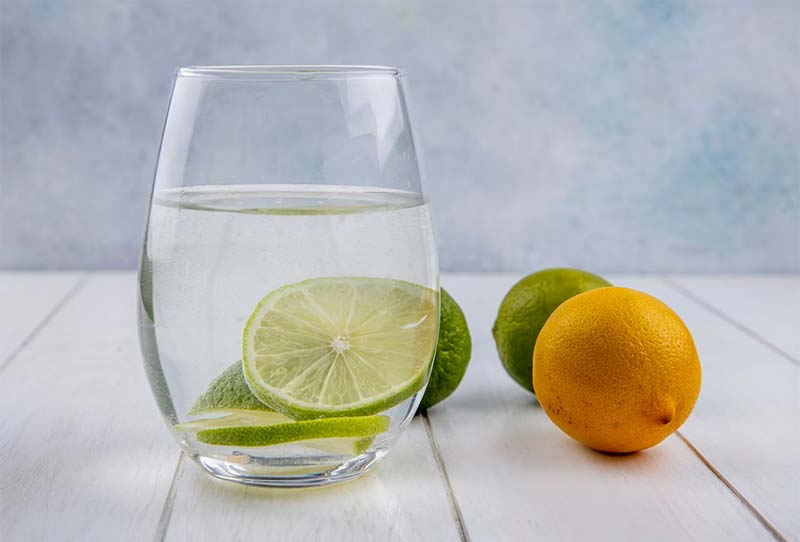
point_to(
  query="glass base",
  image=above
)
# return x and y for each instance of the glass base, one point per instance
(276, 475)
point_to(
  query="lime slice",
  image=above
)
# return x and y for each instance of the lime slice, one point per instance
(308, 430)
(228, 404)
(340, 346)
(231, 417)
(341, 446)
(269, 428)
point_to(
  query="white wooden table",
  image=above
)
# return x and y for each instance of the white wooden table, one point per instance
(84, 454)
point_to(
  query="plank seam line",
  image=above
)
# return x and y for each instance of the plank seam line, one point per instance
(46, 320)
(437, 457)
(738, 325)
(169, 502)
(747, 504)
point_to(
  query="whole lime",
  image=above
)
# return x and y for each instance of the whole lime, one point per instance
(452, 353)
(525, 309)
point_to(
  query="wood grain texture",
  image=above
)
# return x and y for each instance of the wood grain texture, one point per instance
(84, 453)
(403, 498)
(746, 419)
(517, 477)
(28, 299)
(765, 305)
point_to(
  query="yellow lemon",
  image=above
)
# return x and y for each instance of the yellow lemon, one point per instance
(616, 369)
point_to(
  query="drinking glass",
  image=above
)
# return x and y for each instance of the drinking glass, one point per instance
(289, 284)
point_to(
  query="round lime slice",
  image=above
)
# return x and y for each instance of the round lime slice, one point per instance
(340, 346)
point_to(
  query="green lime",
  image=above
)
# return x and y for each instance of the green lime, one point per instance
(281, 433)
(228, 402)
(524, 311)
(344, 346)
(228, 391)
(452, 353)
(229, 406)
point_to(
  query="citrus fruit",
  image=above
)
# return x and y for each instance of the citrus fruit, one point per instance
(214, 418)
(616, 369)
(228, 391)
(452, 353)
(281, 433)
(524, 311)
(340, 346)
(228, 402)
(236, 418)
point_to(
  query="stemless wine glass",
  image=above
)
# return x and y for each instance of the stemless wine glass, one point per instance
(289, 285)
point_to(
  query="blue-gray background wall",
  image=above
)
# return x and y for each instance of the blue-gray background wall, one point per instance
(621, 136)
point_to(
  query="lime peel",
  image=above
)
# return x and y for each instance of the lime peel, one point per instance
(228, 391)
(453, 352)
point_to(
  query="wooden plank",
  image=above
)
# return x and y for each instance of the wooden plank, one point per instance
(766, 305)
(84, 453)
(29, 299)
(403, 498)
(745, 422)
(515, 476)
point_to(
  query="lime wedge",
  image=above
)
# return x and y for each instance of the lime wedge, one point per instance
(229, 404)
(340, 346)
(281, 433)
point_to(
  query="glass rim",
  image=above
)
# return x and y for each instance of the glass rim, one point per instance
(288, 72)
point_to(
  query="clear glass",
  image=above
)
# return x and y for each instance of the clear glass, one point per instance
(268, 176)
